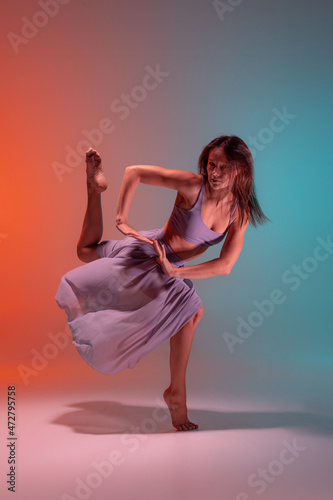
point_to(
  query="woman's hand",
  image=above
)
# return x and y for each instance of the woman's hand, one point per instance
(127, 230)
(167, 268)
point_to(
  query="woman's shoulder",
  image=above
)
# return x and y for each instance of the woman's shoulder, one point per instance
(196, 181)
(191, 179)
(191, 183)
(189, 192)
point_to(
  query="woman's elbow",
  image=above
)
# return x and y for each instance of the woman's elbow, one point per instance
(131, 170)
(227, 270)
(225, 267)
(132, 175)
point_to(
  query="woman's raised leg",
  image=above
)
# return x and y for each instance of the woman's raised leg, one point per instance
(175, 394)
(92, 228)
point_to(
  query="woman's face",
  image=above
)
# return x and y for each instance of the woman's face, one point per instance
(218, 169)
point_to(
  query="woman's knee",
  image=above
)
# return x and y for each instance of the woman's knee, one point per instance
(87, 254)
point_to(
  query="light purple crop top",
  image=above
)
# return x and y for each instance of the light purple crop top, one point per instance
(190, 226)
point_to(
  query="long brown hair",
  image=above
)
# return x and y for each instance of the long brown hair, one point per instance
(241, 162)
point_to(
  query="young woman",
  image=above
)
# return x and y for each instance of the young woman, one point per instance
(136, 293)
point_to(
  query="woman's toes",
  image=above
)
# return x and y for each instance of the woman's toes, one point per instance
(90, 152)
(188, 426)
(95, 174)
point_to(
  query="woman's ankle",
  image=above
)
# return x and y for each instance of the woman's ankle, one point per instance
(176, 391)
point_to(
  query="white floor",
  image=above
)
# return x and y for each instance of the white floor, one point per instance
(101, 444)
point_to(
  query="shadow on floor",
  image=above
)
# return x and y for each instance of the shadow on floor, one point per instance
(110, 417)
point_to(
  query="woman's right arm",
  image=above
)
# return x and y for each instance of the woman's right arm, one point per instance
(180, 180)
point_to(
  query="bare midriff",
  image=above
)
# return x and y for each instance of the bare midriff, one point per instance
(182, 248)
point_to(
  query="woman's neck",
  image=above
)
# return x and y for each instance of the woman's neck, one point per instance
(218, 196)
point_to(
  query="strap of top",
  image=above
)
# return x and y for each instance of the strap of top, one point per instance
(200, 197)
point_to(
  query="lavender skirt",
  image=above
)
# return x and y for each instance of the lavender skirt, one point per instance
(122, 306)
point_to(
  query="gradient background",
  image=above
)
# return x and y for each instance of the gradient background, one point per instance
(225, 76)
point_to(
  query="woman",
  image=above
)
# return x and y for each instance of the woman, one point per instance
(136, 293)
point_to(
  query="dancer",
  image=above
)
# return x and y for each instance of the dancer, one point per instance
(134, 294)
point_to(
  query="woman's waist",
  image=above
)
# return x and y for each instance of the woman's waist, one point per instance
(176, 247)
(186, 250)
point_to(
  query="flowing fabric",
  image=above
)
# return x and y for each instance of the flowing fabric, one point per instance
(122, 306)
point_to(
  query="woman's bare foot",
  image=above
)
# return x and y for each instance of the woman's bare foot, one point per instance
(95, 175)
(178, 411)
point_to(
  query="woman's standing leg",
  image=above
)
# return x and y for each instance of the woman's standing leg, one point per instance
(175, 394)
(92, 228)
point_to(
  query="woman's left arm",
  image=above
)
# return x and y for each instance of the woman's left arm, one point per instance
(230, 251)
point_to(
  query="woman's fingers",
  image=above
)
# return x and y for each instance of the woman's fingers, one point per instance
(162, 260)
(145, 240)
(141, 238)
(157, 248)
(160, 252)
(127, 230)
